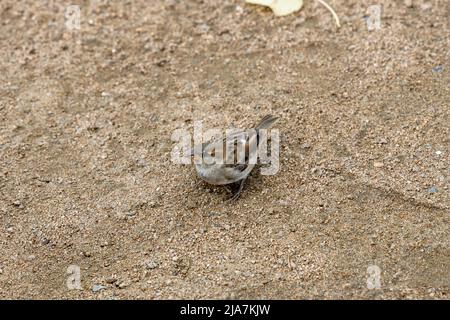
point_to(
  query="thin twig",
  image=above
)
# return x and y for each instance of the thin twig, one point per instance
(332, 12)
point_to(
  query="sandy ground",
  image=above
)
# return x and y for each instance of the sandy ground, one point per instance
(86, 178)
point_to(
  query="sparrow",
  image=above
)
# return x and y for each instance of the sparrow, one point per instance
(222, 162)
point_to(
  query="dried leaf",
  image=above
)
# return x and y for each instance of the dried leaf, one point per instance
(280, 7)
(285, 7)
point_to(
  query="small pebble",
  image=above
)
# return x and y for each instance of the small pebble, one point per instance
(111, 280)
(123, 284)
(438, 69)
(151, 264)
(378, 164)
(31, 257)
(278, 276)
(97, 287)
(409, 3)
(432, 190)
(305, 146)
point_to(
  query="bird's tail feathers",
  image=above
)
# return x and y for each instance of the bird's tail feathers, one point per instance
(266, 122)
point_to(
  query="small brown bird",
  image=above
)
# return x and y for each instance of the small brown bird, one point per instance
(221, 163)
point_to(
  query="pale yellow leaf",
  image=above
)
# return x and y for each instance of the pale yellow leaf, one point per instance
(280, 7)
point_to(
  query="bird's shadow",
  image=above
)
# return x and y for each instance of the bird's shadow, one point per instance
(228, 191)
